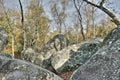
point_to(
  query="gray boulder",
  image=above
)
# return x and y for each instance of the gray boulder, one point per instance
(6, 55)
(59, 58)
(72, 57)
(55, 44)
(58, 42)
(112, 36)
(105, 63)
(13, 69)
(32, 56)
(79, 57)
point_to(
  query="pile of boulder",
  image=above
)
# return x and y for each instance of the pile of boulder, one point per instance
(96, 59)
(105, 63)
(74, 59)
(14, 69)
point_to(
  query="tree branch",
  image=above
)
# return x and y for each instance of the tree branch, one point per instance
(102, 2)
(109, 13)
(79, 17)
(22, 20)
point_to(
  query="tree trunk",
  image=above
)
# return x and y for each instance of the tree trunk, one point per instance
(80, 19)
(23, 27)
(93, 20)
(36, 36)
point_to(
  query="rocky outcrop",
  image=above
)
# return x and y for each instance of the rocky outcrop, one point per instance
(112, 36)
(105, 63)
(59, 58)
(58, 42)
(13, 69)
(72, 57)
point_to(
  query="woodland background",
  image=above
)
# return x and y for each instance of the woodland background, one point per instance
(29, 25)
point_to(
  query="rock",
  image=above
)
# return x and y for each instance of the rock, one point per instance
(47, 65)
(78, 58)
(58, 42)
(112, 36)
(72, 57)
(13, 69)
(58, 58)
(105, 63)
(6, 55)
(3, 38)
(30, 55)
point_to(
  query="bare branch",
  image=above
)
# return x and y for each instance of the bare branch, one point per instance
(113, 16)
(102, 2)
(79, 17)
(22, 20)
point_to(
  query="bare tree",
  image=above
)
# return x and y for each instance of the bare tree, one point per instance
(59, 14)
(79, 17)
(108, 12)
(56, 16)
(64, 4)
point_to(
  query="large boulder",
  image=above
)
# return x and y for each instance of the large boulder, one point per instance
(105, 63)
(55, 44)
(13, 69)
(41, 59)
(72, 57)
(112, 36)
(32, 56)
(58, 42)
(59, 58)
(6, 55)
(77, 58)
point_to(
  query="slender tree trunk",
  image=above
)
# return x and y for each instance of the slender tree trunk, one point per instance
(87, 22)
(93, 11)
(77, 36)
(36, 36)
(30, 39)
(36, 28)
(114, 18)
(80, 19)
(23, 27)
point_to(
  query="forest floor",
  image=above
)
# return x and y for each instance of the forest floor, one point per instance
(67, 75)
